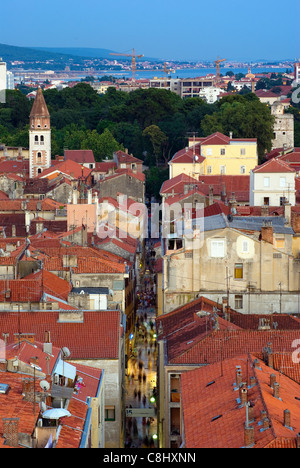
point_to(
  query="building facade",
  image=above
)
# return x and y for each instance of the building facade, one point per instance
(39, 137)
(283, 136)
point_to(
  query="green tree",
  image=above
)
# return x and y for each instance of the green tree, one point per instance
(157, 139)
(103, 145)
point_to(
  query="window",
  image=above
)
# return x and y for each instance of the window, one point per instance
(36, 139)
(208, 152)
(222, 151)
(209, 169)
(266, 201)
(238, 271)
(238, 301)
(245, 246)
(283, 201)
(110, 413)
(39, 155)
(266, 181)
(243, 169)
(282, 182)
(222, 169)
(217, 249)
(279, 243)
(243, 151)
(42, 140)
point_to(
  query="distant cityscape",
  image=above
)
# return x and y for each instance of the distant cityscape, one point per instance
(149, 254)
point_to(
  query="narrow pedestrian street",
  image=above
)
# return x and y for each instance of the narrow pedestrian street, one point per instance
(141, 413)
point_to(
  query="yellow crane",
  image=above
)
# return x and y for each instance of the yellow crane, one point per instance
(217, 62)
(133, 62)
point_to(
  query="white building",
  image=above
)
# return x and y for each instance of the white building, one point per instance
(3, 83)
(10, 80)
(272, 184)
(211, 94)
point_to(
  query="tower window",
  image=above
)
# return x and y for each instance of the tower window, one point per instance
(36, 139)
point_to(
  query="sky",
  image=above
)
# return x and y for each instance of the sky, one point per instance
(165, 29)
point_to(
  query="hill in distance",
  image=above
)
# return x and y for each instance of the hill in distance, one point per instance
(11, 53)
(89, 52)
(78, 51)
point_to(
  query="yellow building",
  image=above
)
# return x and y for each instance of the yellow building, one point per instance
(214, 155)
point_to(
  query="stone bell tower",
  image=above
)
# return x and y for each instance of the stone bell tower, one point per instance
(39, 136)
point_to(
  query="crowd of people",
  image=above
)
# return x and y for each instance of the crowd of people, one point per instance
(141, 368)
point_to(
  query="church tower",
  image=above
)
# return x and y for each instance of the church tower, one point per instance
(39, 136)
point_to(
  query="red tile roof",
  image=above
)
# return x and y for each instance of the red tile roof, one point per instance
(233, 343)
(272, 166)
(226, 185)
(80, 156)
(69, 168)
(126, 158)
(177, 184)
(128, 172)
(213, 414)
(186, 155)
(96, 337)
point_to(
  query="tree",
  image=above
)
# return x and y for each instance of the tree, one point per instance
(103, 145)
(157, 139)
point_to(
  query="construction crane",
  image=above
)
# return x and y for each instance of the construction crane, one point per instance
(133, 62)
(217, 62)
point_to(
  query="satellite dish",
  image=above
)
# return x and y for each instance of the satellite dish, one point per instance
(196, 158)
(44, 385)
(66, 352)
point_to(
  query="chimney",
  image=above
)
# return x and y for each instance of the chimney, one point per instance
(272, 380)
(264, 211)
(256, 363)
(265, 423)
(267, 232)
(27, 389)
(34, 360)
(252, 381)
(243, 393)
(288, 213)
(11, 431)
(250, 412)
(47, 348)
(238, 374)
(249, 436)
(276, 390)
(287, 418)
(263, 415)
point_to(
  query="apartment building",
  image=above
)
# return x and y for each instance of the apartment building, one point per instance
(185, 88)
(215, 154)
(247, 260)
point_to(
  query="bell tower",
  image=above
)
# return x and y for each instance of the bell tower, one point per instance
(39, 136)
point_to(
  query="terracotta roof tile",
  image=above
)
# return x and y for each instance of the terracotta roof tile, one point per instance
(212, 411)
(97, 337)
